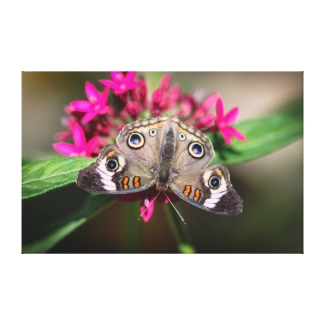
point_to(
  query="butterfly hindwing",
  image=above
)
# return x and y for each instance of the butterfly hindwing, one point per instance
(114, 173)
(209, 189)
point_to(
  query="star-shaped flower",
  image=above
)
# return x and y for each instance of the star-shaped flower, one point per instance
(81, 146)
(120, 83)
(95, 105)
(211, 123)
(223, 123)
(164, 97)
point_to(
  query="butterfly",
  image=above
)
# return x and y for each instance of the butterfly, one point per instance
(165, 152)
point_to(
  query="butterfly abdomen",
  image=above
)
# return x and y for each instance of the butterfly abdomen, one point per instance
(165, 161)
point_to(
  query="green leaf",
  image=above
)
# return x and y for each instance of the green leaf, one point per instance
(95, 204)
(264, 135)
(42, 176)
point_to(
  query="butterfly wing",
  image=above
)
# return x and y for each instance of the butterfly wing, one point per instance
(209, 189)
(193, 150)
(142, 140)
(114, 173)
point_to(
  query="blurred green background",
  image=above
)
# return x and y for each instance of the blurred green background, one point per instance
(271, 186)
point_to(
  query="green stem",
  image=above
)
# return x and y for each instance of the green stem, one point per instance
(179, 230)
(133, 227)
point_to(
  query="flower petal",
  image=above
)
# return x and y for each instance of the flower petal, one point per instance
(133, 84)
(156, 95)
(81, 105)
(129, 77)
(103, 110)
(117, 76)
(66, 149)
(91, 92)
(70, 109)
(92, 145)
(63, 135)
(78, 135)
(236, 134)
(89, 116)
(225, 135)
(174, 93)
(143, 91)
(165, 81)
(220, 110)
(231, 116)
(108, 83)
(206, 121)
(104, 97)
(209, 102)
(146, 209)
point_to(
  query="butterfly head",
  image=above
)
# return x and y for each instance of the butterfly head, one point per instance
(161, 187)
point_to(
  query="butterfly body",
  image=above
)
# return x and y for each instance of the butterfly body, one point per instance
(165, 152)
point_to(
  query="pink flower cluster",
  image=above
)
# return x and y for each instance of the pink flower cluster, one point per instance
(93, 123)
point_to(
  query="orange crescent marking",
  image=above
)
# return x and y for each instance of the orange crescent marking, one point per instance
(136, 181)
(125, 182)
(197, 195)
(111, 153)
(218, 171)
(187, 190)
(155, 125)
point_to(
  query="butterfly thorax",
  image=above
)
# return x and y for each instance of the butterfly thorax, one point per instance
(163, 173)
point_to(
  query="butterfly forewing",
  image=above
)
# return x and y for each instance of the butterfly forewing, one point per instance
(194, 150)
(114, 173)
(150, 134)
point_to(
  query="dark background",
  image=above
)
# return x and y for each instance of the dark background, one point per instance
(271, 186)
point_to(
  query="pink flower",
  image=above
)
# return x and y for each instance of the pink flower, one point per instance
(165, 81)
(68, 123)
(81, 147)
(139, 94)
(164, 98)
(203, 108)
(206, 121)
(133, 109)
(147, 197)
(223, 123)
(96, 104)
(120, 83)
(187, 105)
(146, 208)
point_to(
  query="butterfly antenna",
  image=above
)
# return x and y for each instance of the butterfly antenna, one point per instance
(148, 206)
(175, 208)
